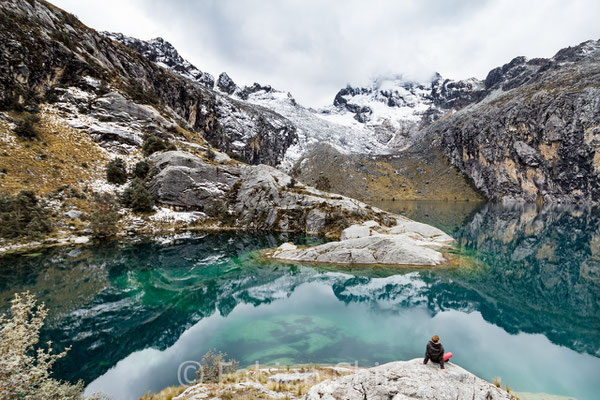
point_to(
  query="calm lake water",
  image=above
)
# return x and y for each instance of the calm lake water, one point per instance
(524, 305)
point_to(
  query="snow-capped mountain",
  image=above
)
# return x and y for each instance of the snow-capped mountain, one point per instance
(311, 129)
(395, 108)
(377, 119)
(164, 54)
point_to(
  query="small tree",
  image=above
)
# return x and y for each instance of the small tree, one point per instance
(213, 365)
(26, 127)
(137, 197)
(104, 219)
(25, 368)
(116, 171)
(323, 183)
(141, 169)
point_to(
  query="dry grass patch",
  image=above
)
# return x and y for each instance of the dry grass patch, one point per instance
(61, 155)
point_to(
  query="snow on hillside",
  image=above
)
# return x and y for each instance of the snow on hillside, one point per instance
(313, 130)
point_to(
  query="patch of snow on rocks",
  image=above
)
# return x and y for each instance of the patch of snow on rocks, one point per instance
(164, 214)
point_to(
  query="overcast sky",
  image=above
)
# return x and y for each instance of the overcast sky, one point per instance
(312, 48)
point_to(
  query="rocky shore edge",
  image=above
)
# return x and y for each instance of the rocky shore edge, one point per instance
(395, 380)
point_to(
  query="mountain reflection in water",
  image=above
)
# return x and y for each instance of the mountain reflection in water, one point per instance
(527, 308)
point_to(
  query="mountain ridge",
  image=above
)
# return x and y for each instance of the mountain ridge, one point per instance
(48, 55)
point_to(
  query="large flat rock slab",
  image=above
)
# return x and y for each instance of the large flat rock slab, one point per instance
(408, 380)
(406, 243)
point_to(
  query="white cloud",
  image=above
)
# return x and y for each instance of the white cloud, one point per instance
(312, 47)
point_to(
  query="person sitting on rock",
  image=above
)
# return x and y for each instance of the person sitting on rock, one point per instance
(435, 352)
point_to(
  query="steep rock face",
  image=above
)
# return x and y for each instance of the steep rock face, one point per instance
(43, 48)
(164, 54)
(536, 135)
(254, 134)
(253, 197)
(407, 379)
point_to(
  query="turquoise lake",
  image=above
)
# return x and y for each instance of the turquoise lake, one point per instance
(523, 305)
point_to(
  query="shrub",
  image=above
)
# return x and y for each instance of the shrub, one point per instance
(26, 368)
(291, 183)
(153, 144)
(26, 127)
(141, 169)
(104, 220)
(214, 365)
(137, 197)
(116, 171)
(323, 183)
(23, 215)
(210, 155)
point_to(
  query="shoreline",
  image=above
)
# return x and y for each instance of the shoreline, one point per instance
(300, 381)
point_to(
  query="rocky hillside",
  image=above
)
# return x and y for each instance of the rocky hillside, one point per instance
(536, 133)
(44, 48)
(309, 129)
(74, 99)
(418, 173)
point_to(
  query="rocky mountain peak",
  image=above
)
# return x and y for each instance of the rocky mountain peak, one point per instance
(164, 54)
(397, 107)
(226, 84)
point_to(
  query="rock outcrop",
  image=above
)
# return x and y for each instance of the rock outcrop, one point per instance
(253, 197)
(226, 84)
(406, 243)
(407, 380)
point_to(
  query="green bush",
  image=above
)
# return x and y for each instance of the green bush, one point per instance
(141, 169)
(26, 127)
(137, 197)
(323, 183)
(23, 215)
(104, 219)
(116, 171)
(153, 144)
(291, 183)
